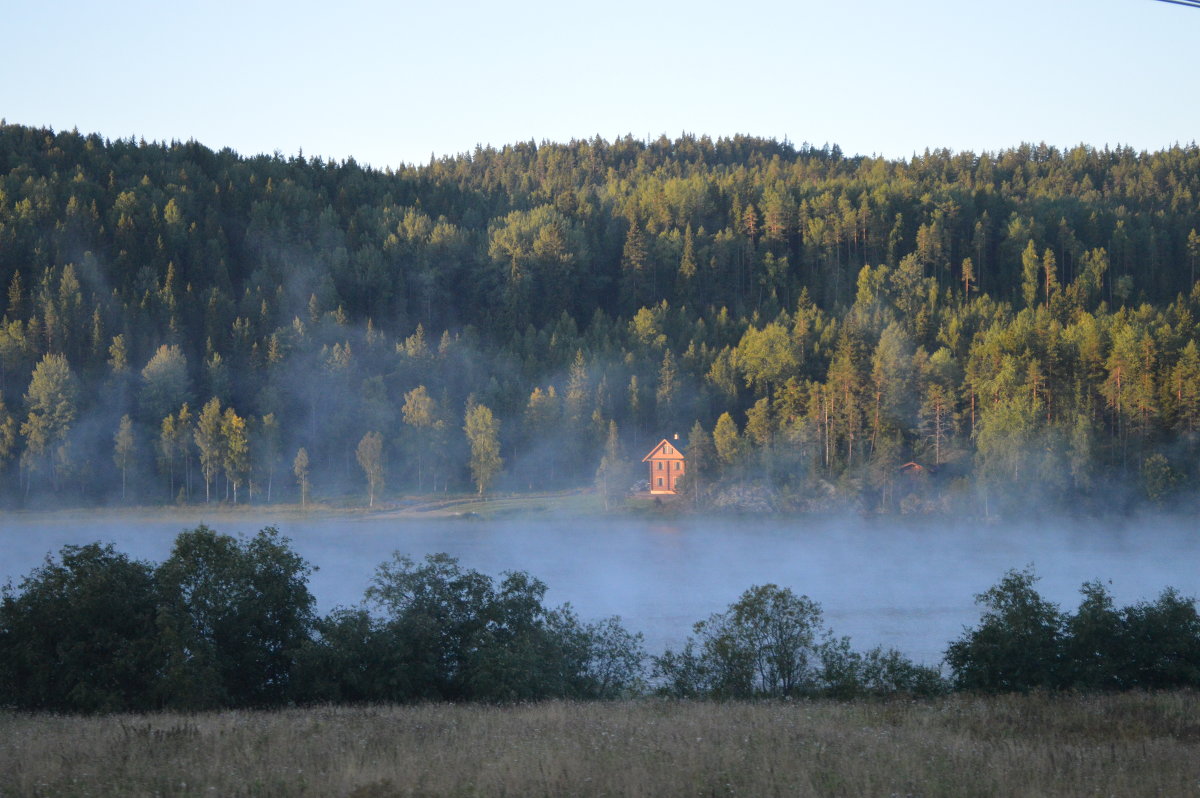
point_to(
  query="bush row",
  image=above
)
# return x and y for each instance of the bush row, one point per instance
(230, 622)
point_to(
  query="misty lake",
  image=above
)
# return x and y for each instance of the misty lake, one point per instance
(909, 584)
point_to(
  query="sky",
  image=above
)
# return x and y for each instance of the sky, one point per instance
(390, 83)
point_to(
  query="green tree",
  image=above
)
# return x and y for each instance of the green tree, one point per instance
(8, 433)
(1185, 385)
(1031, 267)
(687, 261)
(701, 457)
(124, 448)
(167, 450)
(612, 477)
(78, 634)
(766, 358)
(771, 642)
(1017, 645)
(235, 449)
(728, 442)
(1193, 250)
(209, 443)
(893, 376)
(937, 413)
(266, 449)
(458, 635)
(483, 436)
(235, 615)
(370, 458)
(666, 395)
(301, 471)
(968, 278)
(420, 413)
(52, 401)
(165, 382)
(634, 265)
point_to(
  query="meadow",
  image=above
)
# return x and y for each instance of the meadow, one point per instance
(1017, 745)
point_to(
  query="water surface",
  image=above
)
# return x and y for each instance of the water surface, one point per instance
(906, 584)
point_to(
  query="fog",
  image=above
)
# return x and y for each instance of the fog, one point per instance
(892, 582)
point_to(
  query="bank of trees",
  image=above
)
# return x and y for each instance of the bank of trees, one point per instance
(1024, 642)
(229, 622)
(1014, 322)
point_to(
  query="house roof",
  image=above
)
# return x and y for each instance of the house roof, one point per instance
(657, 451)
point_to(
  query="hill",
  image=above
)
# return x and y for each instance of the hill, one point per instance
(181, 322)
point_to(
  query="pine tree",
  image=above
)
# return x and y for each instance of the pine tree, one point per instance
(1031, 267)
(611, 476)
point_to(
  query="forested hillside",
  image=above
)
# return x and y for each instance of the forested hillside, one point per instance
(183, 324)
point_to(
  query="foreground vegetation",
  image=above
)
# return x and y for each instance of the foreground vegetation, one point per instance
(1132, 744)
(229, 622)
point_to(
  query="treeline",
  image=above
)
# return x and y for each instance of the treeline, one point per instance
(1014, 323)
(230, 622)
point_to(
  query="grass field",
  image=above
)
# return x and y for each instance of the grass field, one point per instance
(1126, 745)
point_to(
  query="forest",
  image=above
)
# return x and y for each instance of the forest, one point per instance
(957, 332)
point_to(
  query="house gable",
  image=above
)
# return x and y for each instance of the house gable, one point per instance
(666, 466)
(665, 450)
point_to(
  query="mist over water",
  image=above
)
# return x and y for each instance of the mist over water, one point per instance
(908, 584)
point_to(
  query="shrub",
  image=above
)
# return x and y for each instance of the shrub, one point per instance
(79, 634)
(771, 643)
(1023, 642)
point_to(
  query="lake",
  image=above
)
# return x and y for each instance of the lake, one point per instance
(908, 584)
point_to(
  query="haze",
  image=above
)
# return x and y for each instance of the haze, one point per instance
(899, 583)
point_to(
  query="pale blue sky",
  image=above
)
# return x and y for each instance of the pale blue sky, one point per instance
(389, 83)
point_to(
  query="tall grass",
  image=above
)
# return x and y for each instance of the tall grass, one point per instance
(1125, 745)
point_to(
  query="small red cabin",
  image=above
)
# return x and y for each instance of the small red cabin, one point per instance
(666, 466)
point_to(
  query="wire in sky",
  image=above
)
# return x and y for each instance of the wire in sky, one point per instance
(1188, 3)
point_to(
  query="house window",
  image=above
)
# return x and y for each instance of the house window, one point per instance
(660, 465)
(678, 464)
(660, 482)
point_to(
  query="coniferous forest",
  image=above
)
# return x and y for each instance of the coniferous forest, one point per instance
(942, 334)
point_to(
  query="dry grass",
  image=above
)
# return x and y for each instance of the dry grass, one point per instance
(1011, 746)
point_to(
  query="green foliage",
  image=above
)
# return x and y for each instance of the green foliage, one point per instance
(1023, 642)
(165, 382)
(300, 468)
(483, 435)
(207, 436)
(1017, 645)
(233, 618)
(78, 634)
(52, 400)
(614, 474)
(458, 635)
(771, 643)
(370, 458)
(124, 445)
(710, 274)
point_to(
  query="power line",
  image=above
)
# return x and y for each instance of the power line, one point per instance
(1188, 3)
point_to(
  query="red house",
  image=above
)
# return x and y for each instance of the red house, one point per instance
(666, 466)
